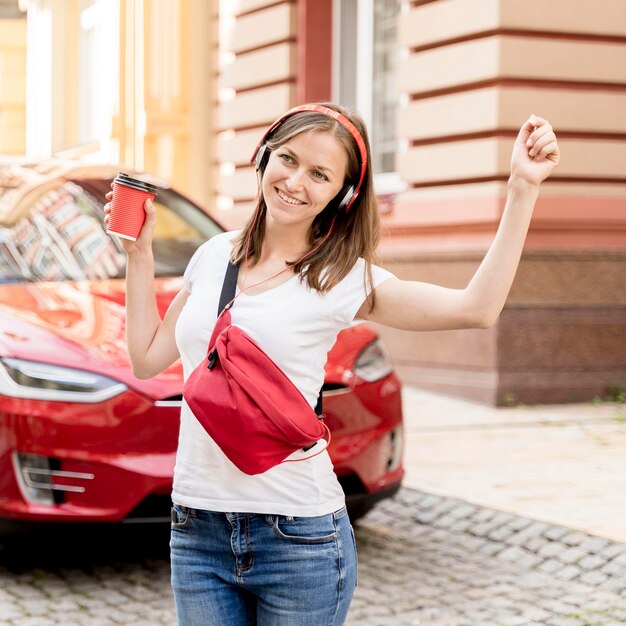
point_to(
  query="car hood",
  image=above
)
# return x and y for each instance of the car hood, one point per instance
(80, 325)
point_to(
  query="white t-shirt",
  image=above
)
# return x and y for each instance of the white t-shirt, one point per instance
(296, 326)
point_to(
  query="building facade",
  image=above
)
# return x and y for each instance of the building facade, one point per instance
(185, 88)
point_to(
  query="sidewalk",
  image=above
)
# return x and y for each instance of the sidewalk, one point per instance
(564, 464)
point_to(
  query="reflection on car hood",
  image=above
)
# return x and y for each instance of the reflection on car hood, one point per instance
(80, 325)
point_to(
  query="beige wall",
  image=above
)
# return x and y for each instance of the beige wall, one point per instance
(262, 47)
(12, 86)
(477, 68)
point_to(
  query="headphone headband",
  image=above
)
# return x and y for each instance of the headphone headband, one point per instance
(353, 192)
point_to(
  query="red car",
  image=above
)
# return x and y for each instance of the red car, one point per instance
(81, 439)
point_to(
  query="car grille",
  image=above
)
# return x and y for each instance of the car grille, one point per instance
(37, 478)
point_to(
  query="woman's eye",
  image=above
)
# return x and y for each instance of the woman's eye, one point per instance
(286, 158)
(320, 176)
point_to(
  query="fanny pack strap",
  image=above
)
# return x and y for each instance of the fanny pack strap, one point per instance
(229, 288)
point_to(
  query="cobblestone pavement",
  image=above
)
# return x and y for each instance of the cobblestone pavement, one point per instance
(438, 561)
(424, 560)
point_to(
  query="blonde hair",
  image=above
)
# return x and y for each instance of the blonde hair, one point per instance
(354, 234)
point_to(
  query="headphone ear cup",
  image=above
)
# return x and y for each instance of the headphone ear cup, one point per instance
(261, 158)
(344, 197)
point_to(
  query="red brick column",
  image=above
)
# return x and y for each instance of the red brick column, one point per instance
(314, 77)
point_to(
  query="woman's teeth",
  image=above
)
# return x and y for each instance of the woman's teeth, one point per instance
(288, 199)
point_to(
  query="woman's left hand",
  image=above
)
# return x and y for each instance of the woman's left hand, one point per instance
(536, 151)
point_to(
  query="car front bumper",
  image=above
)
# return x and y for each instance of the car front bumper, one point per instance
(84, 462)
(114, 461)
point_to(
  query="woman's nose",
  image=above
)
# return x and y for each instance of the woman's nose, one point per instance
(294, 181)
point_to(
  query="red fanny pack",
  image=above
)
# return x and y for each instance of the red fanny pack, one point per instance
(245, 402)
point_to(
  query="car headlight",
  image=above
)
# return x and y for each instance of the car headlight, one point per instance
(373, 363)
(42, 381)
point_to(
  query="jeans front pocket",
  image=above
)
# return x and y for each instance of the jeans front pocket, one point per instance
(306, 530)
(181, 516)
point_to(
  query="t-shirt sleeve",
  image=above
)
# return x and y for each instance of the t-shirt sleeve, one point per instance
(352, 291)
(201, 260)
(195, 264)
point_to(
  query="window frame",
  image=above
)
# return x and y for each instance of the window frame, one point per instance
(361, 66)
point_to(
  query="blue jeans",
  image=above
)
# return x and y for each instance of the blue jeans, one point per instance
(246, 569)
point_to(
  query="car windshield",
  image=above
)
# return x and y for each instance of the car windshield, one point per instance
(63, 237)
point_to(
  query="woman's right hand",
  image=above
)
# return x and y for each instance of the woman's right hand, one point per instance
(144, 241)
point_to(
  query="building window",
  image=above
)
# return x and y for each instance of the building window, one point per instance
(384, 91)
(72, 77)
(88, 76)
(364, 76)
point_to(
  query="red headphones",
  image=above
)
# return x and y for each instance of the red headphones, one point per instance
(349, 193)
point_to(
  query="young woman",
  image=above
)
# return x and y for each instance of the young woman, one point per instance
(277, 548)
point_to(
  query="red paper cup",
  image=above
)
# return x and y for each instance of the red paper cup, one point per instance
(127, 213)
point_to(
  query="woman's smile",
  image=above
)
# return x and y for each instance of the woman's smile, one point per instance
(285, 197)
